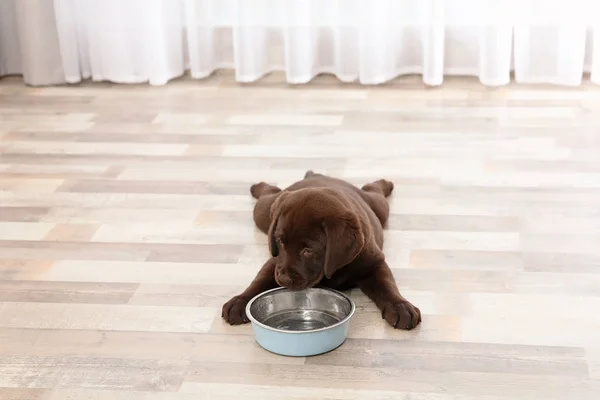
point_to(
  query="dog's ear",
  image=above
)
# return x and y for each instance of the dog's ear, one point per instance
(345, 240)
(274, 214)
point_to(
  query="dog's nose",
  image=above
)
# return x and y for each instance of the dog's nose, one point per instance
(287, 278)
(283, 280)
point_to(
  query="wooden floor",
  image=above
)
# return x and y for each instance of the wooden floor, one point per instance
(125, 224)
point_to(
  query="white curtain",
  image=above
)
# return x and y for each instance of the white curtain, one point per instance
(29, 42)
(369, 41)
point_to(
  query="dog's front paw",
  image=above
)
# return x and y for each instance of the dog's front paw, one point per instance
(401, 315)
(234, 311)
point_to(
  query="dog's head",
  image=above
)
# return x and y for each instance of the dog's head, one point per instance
(314, 232)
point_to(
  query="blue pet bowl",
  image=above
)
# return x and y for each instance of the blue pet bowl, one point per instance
(300, 322)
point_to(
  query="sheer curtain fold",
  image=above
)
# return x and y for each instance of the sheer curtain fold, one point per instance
(374, 41)
(595, 55)
(369, 41)
(129, 41)
(29, 42)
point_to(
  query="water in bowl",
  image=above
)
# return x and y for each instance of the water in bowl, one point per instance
(300, 320)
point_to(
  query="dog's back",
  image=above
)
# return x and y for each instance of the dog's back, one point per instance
(314, 180)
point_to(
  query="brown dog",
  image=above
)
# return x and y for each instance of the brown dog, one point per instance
(326, 231)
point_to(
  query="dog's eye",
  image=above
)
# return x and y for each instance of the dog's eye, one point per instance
(307, 253)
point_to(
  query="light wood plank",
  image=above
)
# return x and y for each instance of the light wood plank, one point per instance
(216, 175)
(75, 215)
(16, 269)
(72, 232)
(462, 223)
(89, 372)
(95, 148)
(169, 118)
(105, 317)
(458, 357)
(25, 394)
(164, 346)
(24, 230)
(127, 200)
(22, 214)
(158, 252)
(467, 260)
(185, 233)
(430, 381)
(184, 295)
(65, 292)
(26, 186)
(290, 119)
(172, 273)
(528, 151)
(436, 240)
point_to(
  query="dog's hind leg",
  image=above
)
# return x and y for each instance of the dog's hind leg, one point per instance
(266, 195)
(381, 186)
(375, 194)
(262, 188)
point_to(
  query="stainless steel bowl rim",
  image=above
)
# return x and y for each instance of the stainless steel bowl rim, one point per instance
(343, 321)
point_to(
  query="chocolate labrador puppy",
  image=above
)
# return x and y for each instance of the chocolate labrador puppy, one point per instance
(324, 231)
